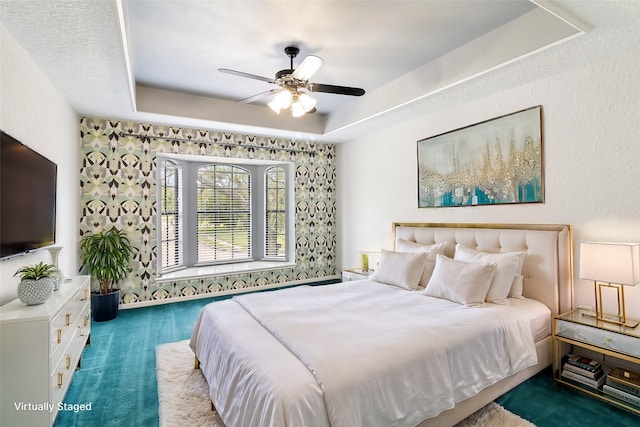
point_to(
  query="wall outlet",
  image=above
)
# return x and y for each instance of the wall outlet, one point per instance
(585, 307)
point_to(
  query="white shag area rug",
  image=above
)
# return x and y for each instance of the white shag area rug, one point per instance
(183, 396)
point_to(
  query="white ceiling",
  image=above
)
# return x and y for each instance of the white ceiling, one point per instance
(181, 45)
(411, 57)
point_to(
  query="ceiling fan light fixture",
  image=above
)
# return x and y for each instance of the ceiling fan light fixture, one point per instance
(284, 98)
(290, 81)
(308, 103)
(282, 101)
(275, 106)
(297, 110)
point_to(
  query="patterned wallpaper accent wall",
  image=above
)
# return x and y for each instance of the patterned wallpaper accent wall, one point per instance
(118, 188)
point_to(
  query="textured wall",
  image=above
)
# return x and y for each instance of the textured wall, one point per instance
(591, 146)
(34, 112)
(118, 187)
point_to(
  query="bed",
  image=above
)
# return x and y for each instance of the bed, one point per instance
(376, 353)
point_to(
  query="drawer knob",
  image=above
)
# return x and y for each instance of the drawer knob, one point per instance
(59, 379)
(59, 335)
(86, 294)
(68, 361)
(86, 320)
(68, 318)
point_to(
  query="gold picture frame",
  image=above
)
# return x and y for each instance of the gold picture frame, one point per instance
(494, 162)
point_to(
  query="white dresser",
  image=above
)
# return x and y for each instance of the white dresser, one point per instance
(40, 348)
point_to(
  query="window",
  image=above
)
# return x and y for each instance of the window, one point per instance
(275, 212)
(224, 213)
(169, 184)
(217, 211)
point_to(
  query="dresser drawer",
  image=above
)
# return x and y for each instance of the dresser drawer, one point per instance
(60, 379)
(60, 330)
(62, 325)
(79, 330)
(84, 323)
(68, 360)
(41, 346)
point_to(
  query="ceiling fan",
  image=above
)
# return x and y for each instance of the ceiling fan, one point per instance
(294, 86)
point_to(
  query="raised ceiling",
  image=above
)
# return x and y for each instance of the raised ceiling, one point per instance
(157, 60)
(398, 51)
(180, 45)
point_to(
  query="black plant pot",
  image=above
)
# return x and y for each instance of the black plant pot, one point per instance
(105, 306)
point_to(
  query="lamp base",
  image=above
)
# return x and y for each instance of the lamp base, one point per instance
(612, 318)
(617, 319)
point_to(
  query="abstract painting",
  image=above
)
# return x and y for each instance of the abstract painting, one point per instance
(498, 161)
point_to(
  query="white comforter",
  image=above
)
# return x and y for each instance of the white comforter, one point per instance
(353, 354)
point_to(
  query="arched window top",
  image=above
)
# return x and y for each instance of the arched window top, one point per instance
(169, 162)
(222, 168)
(275, 169)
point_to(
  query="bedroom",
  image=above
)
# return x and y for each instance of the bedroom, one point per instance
(590, 142)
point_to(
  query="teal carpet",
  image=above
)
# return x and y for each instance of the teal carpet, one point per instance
(118, 377)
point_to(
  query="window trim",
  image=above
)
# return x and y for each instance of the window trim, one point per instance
(179, 265)
(189, 165)
(266, 212)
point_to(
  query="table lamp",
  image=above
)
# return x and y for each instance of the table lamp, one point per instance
(364, 259)
(611, 265)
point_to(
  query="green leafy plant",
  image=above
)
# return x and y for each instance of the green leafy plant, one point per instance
(36, 272)
(106, 255)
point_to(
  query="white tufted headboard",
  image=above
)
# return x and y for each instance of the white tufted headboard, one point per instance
(548, 267)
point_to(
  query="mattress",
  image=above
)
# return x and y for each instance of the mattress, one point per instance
(336, 354)
(538, 314)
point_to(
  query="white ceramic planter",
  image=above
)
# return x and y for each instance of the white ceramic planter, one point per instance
(34, 292)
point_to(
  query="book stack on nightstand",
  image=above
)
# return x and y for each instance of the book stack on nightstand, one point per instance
(583, 370)
(623, 385)
(611, 369)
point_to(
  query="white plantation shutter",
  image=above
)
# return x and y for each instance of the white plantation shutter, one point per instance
(223, 213)
(170, 218)
(275, 212)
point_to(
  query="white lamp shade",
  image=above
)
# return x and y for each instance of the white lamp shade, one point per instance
(297, 110)
(275, 106)
(307, 102)
(281, 101)
(617, 263)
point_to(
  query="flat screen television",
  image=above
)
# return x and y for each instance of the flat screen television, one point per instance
(27, 198)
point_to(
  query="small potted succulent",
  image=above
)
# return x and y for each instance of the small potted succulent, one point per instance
(36, 283)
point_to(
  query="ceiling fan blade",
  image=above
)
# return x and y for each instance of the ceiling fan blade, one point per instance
(247, 75)
(340, 90)
(258, 96)
(307, 67)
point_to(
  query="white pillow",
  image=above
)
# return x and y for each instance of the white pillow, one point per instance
(400, 269)
(517, 287)
(509, 265)
(461, 282)
(403, 245)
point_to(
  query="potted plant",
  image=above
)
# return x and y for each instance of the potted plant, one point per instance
(106, 255)
(36, 283)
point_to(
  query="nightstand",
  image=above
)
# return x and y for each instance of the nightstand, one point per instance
(355, 274)
(613, 346)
